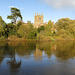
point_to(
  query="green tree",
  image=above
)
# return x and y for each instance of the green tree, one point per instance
(2, 26)
(15, 15)
(19, 23)
(10, 29)
(65, 28)
(40, 29)
(1, 31)
(48, 28)
(2, 21)
(27, 31)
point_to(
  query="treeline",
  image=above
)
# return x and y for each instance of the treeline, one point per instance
(63, 29)
(20, 30)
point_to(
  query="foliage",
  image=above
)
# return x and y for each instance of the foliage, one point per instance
(48, 28)
(40, 29)
(19, 24)
(2, 25)
(15, 14)
(1, 31)
(10, 29)
(45, 32)
(65, 28)
(27, 31)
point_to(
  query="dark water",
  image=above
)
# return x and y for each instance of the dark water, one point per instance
(41, 58)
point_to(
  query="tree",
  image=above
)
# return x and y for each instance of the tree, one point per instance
(2, 25)
(15, 15)
(65, 28)
(1, 31)
(2, 22)
(10, 29)
(27, 31)
(19, 23)
(48, 28)
(40, 29)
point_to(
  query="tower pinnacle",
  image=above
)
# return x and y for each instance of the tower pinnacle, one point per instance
(42, 13)
(37, 13)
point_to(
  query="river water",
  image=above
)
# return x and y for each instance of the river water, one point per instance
(37, 58)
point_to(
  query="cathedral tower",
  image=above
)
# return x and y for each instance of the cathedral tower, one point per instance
(38, 20)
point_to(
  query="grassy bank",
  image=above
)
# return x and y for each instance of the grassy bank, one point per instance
(39, 38)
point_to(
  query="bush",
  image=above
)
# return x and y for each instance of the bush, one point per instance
(11, 29)
(27, 31)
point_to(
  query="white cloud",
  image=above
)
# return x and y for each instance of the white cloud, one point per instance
(60, 3)
(12, 7)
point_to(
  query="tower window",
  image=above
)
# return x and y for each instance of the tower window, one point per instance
(39, 18)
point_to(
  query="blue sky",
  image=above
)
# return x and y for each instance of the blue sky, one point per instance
(52, 9)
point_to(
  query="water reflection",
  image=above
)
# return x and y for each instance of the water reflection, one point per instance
(38, 54)
(16, 55)
(13, 63)
(62, 49)
(65, 50)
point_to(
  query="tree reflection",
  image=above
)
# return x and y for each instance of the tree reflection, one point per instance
(61, 49)
(7, 51)
(1, 56)
(2, 45)
(46, 47)
(65, 50)
(14, 64)
(23, 48)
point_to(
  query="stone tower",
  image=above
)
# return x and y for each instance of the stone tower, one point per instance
(38, 20)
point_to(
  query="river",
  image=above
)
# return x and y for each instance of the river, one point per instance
(37, 58)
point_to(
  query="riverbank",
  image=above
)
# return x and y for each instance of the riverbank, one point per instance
(34, 40)
(15, 38)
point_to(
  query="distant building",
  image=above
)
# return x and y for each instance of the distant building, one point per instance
(28, 21)
(38, 20)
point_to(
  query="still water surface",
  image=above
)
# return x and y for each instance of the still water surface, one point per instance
(37, 58)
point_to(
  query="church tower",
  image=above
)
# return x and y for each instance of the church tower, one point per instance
(38, 20)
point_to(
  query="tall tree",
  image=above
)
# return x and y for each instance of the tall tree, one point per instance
(2, 26)
(15, 15)
(65, 28)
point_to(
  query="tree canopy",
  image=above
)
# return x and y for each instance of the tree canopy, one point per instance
(65, 28)
(27, 31)
(15, 15)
